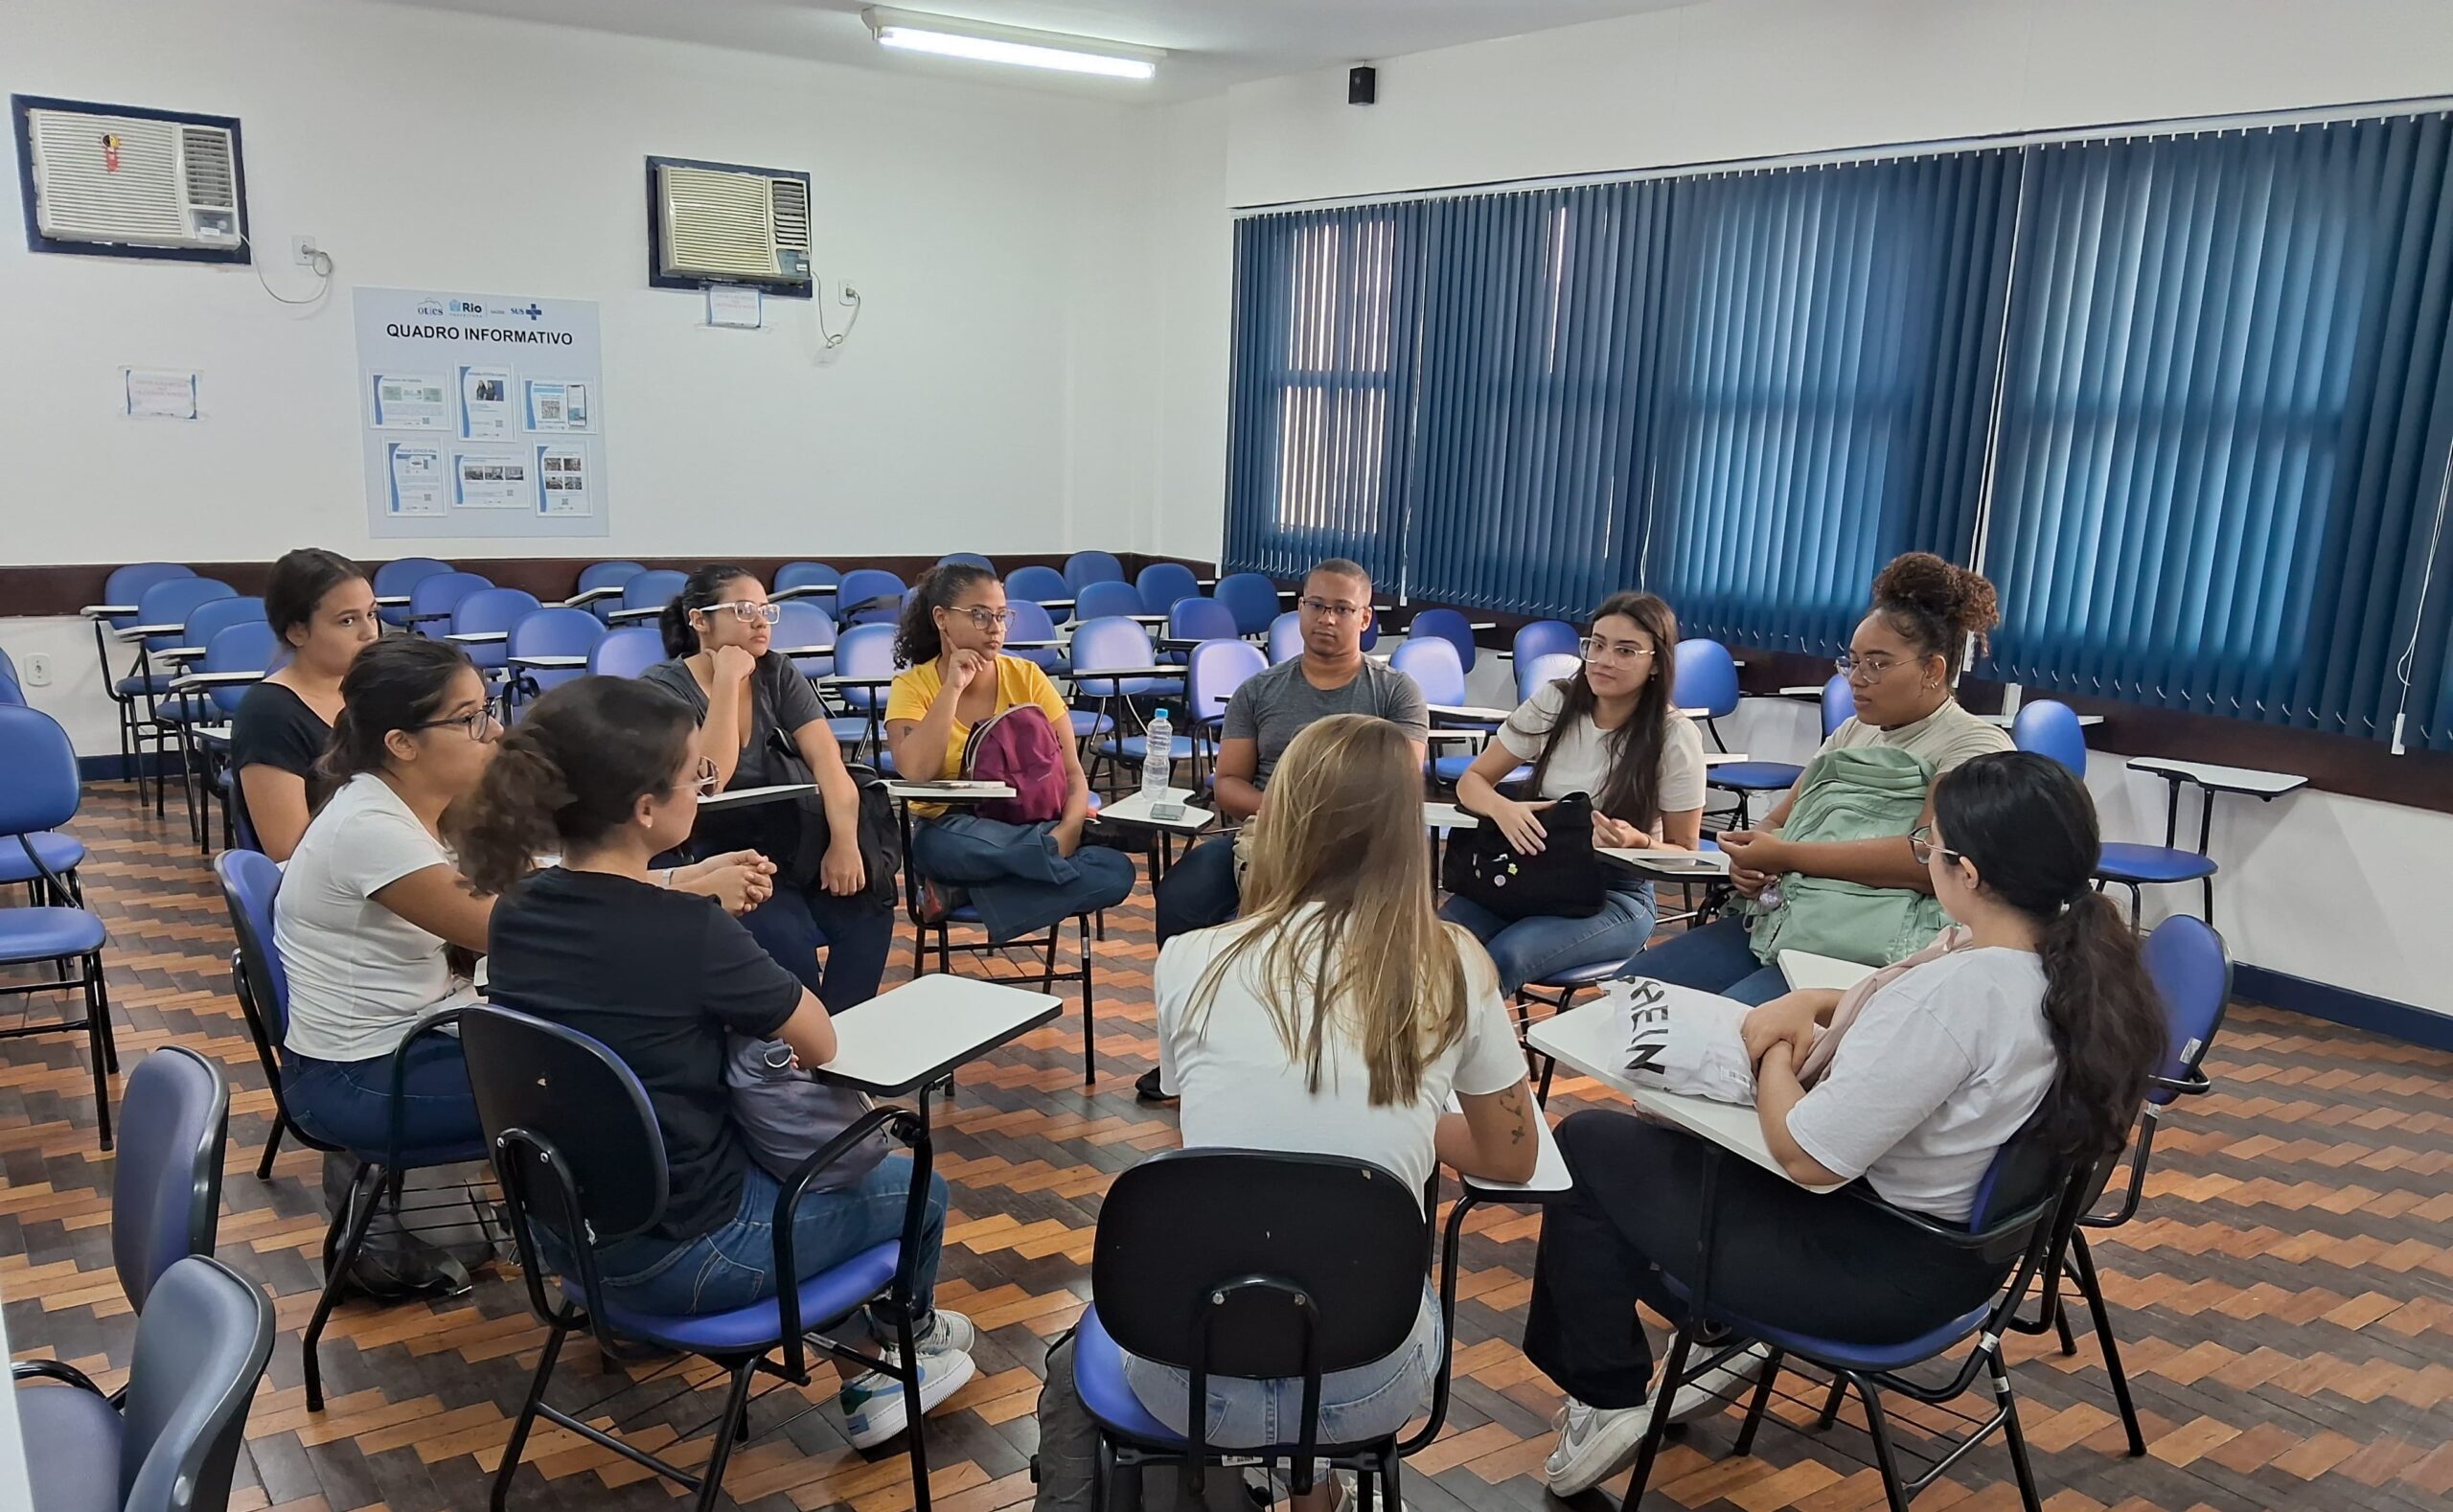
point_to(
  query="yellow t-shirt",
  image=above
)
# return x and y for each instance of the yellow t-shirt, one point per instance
(1018, 683)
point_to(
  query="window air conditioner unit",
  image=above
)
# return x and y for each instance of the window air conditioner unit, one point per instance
(130, 182)
(715, 223)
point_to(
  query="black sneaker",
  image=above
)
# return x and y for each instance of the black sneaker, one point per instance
(1146, 1090)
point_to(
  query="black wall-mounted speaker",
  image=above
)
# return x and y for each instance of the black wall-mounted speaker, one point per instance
(1363, 85)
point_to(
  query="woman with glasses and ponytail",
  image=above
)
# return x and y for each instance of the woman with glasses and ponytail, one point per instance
(2032, 1011)
(1608, 732)
(761, 721)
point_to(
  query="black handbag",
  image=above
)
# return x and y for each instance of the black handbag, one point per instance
(1563, 879)
(795, 835)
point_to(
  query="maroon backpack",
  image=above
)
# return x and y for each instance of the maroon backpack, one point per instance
(1017, 749)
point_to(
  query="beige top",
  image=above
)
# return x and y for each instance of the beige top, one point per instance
(1946, 736)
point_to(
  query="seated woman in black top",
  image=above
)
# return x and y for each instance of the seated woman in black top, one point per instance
(322, 608)
(607, 773)
(749, 702)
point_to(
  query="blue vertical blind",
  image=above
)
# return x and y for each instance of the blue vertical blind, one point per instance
(1536, 322)
(1825, 385)
(2226, 418)
(1323, 411)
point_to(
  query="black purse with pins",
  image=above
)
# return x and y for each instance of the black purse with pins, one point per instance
(1563, 879)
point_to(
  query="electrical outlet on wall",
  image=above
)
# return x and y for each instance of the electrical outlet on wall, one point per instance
(38, 671)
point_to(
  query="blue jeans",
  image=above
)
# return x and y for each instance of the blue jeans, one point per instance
(1533, 949)
(1016, 878)
(1715, 958)
(1200, 891)
(735, 1265)
(856, 933)
(1357, 1406)
(349, 1102)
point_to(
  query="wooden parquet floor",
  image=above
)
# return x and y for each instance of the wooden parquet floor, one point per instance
(2285, 1301)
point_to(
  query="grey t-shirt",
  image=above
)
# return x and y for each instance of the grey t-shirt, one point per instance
(1272, 708)
(781, 698)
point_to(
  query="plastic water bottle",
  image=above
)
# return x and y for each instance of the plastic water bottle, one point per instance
(1158, 757)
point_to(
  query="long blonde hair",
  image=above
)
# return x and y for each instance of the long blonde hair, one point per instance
(1343, 830)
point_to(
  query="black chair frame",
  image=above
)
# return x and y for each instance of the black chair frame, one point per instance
(101, 1046)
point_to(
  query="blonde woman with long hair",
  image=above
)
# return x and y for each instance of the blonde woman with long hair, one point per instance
(1337, 1017)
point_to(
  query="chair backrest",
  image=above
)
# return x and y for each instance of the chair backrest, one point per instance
(1201, 619)
(1432, 662)
(2050, 728)
(1105, 599)
(1285, 637)
(1251, 597)
(607, 574)
(174, 602)
(1543, 638)
(1707, 677)
(864, 650)
(857, 597)
(492, 610)
(806, 575)
(966, 558)
(441, 594)
(250, 883)
(564, 1092)
(1086, 567)
(1219, 667)
(201, 1351)
(1033, 623)
(626, 651)
(555, 630)
(1451, 627)
(216, 615)
(1112, 642)
(41, 792)
(1037, 584)
(249, 647)
(165, 1181)
(1162, 583)
(392, 579)
(1256, 1250)
(654, 589)
(1838, 704)
(800, 623)
(2192, 975)
(10, 693)
(127, 585)
(1539, 672)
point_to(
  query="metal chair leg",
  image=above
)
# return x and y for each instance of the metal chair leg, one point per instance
(273, 1147)
(98, 1045)
(1894, 1495)
(1089, 1024)
(1754, 1407)
(527, 1418)
(362, 1216)
(2017, 1438)
(2084, 1268)
(1830, 1413)
(711, 1482)
(1656, 1421)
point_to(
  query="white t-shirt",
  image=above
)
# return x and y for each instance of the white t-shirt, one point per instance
(359, 975)
(1939, 1070)
(1947, 737)
(1242, 1091)
(1582, 762)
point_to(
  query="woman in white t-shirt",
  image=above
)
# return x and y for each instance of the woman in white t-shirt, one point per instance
(2034, 1008)
(1609, 732)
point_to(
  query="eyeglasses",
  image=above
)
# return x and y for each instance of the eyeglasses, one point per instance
(1627, 653)
(1864, 669)
(986, 618)
(746, 610)
(478, 724)
(1920, 844)
(704, 779)
(1330, 611)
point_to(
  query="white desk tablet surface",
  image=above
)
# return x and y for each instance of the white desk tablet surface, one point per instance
(1806, 969)
(922, 1029)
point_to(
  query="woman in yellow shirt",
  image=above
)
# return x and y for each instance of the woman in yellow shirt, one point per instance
(1022, 877)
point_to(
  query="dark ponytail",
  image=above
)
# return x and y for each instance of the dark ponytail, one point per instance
(567, 775)
(300, 579)
(915, 635)
(398, 683)
(704, 589)
(1936, 605)
(1630, 788)
(2030, 827)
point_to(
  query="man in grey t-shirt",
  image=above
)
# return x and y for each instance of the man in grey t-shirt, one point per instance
(1332, 676)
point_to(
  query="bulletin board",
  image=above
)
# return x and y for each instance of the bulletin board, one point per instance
(484, 414)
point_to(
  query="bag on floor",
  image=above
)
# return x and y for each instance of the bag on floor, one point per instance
(1563, 879)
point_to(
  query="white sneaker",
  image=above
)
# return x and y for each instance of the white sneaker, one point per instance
(874, 1406)
(1717, 1387)
(1595, 1444)
(947, 1330)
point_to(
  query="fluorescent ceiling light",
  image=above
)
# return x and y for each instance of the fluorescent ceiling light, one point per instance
(949, 37)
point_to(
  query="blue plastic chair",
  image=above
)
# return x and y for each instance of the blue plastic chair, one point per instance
(1285, 637)
(582, 1159)
(1086, 567)
(173, 601)
(11, 692)
(1432, 663)
(1451, 627)
(553, 631)
(172, 715)
(863, 651)
(801, 624)
(399, 579)
(810, 580)
(605, 575)
(1103, 601)
(248, 647)
(1043, 587)
(41, 795)
(1536, 673)
(434, 599)
(2050, 728)
(1199, 619)
(1707, 679)
(1217, 669)
(651, 590)
(1838, 704)
(250, 884)
(490, 611)
(868, 596)
(200, 1353)
(1251, 597)
(1033, 623)
(1116, 642)
(626, 651)
(166, 1184)
(1162, 583)
(966, 558)
(1543, 638)
(127, 585)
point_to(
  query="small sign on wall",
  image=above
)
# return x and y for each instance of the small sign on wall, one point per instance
(157, 394)
(735, 306)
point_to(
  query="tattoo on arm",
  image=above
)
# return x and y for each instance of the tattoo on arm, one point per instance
(1515, 1111)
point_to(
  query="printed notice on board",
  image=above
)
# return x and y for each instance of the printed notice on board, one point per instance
(153, 394)
(411, 401)
(561, 481)
(485, 403)
(491, 480)
(557, 405)
(417, 478)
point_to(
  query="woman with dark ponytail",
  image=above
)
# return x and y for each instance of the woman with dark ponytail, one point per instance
(756, 711)
(607, 774)
(2032, 1011)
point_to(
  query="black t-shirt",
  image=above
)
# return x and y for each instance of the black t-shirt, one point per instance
(656, 976)
(274, 727)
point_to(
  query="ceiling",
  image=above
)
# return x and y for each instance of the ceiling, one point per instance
(1221, 42)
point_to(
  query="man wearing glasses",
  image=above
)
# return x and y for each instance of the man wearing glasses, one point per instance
(1332, 676)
